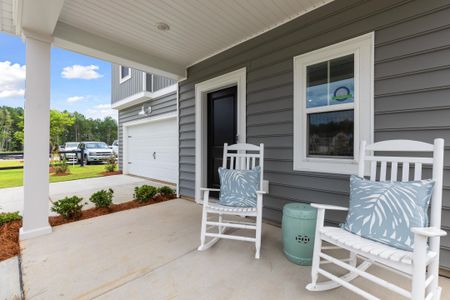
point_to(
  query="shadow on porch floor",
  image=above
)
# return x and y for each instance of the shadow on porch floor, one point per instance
(150, 253)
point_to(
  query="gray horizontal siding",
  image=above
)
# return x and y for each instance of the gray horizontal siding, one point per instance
(162, 105)
(125, 89)
(160, 82)
(412, 92)
(135, 84)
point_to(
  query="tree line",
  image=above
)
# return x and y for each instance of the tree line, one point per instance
(64, 127)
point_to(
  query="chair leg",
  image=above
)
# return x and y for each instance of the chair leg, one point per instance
(220, 221)
(317, 249)
(203, 229)
(316, 260)
(433, 270)
(419, 268)
(258, 227)
(258, 237)
(353, 259)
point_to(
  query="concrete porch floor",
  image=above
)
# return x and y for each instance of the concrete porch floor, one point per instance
(150, 253)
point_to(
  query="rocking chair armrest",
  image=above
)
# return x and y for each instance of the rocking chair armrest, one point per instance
(205, 192)
(209, 189)
(428, 231)
(330, 207)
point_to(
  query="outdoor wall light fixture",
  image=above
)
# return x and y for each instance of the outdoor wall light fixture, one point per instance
(144, 111)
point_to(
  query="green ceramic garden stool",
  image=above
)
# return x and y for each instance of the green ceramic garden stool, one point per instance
(299, 227)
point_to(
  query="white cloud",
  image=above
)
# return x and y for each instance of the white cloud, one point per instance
(81, 72)
(101, 111)
(12, 80)
(74, 99)
(103, 106)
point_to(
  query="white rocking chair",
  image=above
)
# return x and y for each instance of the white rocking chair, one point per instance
(239, 157)
(421, 265)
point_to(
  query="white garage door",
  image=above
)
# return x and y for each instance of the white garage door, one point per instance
(152, 150)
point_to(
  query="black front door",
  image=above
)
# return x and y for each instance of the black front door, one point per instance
(222, 128)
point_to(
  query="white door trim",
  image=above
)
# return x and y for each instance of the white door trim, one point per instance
(134, 123)
(178, 137)
(237, 78)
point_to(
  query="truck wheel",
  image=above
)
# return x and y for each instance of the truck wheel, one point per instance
(86, 161)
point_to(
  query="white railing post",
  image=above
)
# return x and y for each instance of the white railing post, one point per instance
(36, 141)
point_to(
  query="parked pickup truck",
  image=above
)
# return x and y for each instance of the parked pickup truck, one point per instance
(70, 146)
(95, 152)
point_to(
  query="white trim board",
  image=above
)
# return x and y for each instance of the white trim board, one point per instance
(178, 137)
(236, 78)
(123, 79)
(77, 40)
(363, 49)
(141, 97)
(144, 81)
(134, 123)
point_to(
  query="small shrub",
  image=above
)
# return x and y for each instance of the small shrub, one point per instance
(9, 217)
(144, 193)
(166, 191)
(69, 207)
(62, 168)
(102, 199)
(111, 164)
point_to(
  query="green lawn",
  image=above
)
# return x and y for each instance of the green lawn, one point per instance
(11, 178)
(10, 163)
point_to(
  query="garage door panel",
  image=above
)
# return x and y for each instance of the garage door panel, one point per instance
(152, 150)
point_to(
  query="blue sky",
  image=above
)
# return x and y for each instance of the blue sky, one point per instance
(78, 83)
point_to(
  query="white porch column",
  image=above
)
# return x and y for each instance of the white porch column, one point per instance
(36, 144)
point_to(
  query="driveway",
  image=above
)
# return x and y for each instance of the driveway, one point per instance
(11, 199)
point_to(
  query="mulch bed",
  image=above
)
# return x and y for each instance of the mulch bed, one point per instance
(95, 212)
(60, 174)
(9, 232)
(111, 173)
(105, 173)
(9, 239)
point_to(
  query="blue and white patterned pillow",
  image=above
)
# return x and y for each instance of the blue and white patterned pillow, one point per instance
(386, 211)
(238, 187)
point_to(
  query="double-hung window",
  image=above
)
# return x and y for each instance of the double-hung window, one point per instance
(124, 74)
(333, 105)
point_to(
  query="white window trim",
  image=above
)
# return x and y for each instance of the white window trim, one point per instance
(363, 49)
(123, 79)
(202, 89)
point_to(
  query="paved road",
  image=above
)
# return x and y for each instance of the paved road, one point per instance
(11, 199)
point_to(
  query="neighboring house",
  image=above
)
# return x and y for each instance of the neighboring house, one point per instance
(148, 138)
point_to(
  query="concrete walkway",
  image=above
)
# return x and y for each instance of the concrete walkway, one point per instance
(11, 199)
(150, 253)
(10, 279)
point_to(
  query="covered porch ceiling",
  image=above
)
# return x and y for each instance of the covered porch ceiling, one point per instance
(126, 32)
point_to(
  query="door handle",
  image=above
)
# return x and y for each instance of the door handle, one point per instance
(154, 155)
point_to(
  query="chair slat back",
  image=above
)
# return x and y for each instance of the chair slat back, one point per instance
(379, 165)
(244, 157)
